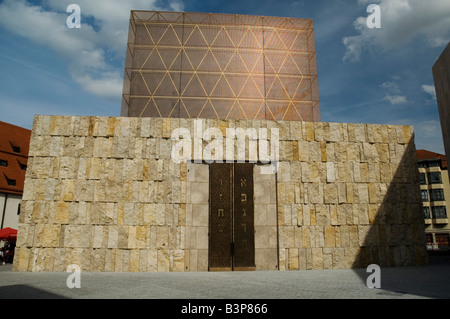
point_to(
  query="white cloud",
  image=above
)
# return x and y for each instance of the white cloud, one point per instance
(401, 21)
(89, 52)
(391, 87)
(395, 99)
(430, 90)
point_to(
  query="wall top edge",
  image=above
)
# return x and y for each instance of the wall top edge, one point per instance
(205, 120)
(148, 127)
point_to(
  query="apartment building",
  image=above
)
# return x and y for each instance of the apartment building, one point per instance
(14, 145)
(435, 189)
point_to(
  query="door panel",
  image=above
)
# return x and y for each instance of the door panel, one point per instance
(220, 233)
(244, 234)
(231, 233)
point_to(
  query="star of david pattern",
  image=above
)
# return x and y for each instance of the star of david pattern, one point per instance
(220, 66)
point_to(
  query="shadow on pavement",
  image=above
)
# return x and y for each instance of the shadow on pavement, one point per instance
(26, 292)
(395, 240)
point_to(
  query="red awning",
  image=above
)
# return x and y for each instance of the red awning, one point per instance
(8, 234)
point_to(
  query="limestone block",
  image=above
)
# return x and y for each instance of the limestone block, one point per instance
(122, 238)
(163, 260)
(293, 262)
(306, 237)
(315, 153)
(202, 260)
(202, 238)
(162, 237)
(345, 172)
(62, 213)
(303, 151)
(311, 172)
(353, 235)
(335, 132)
(199, 192)
(330, 192)
(151, 261)
(308, 131)
(356, 132)
(314, 192)
(361, 193)
(361, 214)
(317, 258)
(178, 260)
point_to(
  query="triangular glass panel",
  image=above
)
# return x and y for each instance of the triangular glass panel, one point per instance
(237, 113)
(222, 57)
(222, 107)
(252, 108)
(209, 63)
(138, 86)
(150, 110)
(208, 111)
(236, 34)
(194, 106)
(249, 40)
(291, 114)
(170, 37)
(194, 37)
(236, 65)
(152, 80)
(274, 60)
(222, 89)
(195, 56)
(165, 106)
(253, 61)
(156, 31)
(142, 35)
(277, 108)
(154, 62)
(209, 81)
(183, 112)
(168, 55)
(192, 87)
(222, 39)
(209, 33)
(168, 86)
(236, 82)
(251, 90)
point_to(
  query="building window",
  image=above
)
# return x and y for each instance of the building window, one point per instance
(424, 195)
(23, 167)
(437, 194)
(439, 212)
(10, 182)
(442, 239)
(426, 212)
(434, 164)
(15, 148)
(435, 178)
(422, 179)
(3, 163)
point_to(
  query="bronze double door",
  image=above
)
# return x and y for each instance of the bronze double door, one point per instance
(231, 217)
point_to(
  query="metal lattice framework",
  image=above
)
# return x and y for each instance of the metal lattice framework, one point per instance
(221, 66)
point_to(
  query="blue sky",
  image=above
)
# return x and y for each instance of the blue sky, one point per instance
(377, 76)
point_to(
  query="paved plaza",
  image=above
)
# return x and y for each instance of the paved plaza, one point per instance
(432, 281)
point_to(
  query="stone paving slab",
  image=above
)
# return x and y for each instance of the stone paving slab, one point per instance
(432, 281)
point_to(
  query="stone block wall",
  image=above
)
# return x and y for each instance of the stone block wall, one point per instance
(105, 194)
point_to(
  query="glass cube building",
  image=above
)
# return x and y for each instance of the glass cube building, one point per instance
(220, 66)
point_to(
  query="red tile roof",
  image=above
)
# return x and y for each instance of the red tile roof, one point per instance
(14, 147)
(428, 155)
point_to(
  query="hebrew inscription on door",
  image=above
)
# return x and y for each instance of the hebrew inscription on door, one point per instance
(231, 233)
